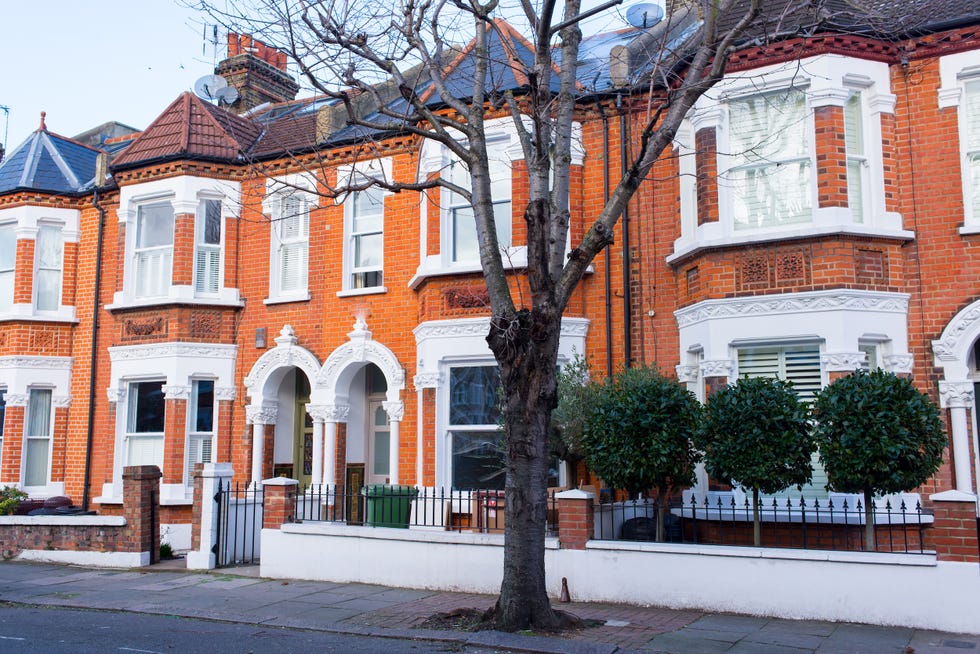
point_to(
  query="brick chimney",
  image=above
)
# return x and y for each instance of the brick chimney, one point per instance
(258, 71)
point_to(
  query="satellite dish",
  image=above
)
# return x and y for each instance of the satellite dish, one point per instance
(208, 86)
(644, 14)
(226, 95)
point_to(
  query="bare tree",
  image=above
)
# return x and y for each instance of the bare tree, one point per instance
(388, 68)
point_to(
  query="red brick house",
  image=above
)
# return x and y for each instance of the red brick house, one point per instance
(818, 214)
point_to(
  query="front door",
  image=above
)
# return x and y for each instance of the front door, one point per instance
(303, 434)
(378, 443)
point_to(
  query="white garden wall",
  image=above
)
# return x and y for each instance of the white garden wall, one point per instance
(886, 589)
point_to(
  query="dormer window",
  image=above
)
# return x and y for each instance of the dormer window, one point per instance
(153, 251)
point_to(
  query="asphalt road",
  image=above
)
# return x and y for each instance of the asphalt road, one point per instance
(64, 631)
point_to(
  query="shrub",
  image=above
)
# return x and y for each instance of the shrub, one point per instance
(10, 499)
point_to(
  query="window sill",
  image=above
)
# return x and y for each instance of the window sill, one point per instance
(967, 230)
(685, 248)
(26, 312)
(434, 266)
(354, 292)
(285, 299)
(228, 297)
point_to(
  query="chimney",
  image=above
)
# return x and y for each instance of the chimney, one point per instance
(258, 71)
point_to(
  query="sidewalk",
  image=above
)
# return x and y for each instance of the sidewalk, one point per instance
(240, 595)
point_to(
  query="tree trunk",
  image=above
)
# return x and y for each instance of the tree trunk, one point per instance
(756, 526)
(529, 395)
(661, 511)
(870, 542)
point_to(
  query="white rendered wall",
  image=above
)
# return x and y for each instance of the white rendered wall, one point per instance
(885, 589)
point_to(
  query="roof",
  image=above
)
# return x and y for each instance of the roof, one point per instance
(191, 129)
(49, 162)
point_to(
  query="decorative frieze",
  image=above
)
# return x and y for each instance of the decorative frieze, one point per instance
(953, 395)
(687, 374)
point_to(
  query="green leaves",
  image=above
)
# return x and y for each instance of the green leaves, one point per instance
(638, 434)
(877, 433)
(756, 434)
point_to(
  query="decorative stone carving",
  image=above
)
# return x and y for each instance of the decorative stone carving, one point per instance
(954, 395)
(172, 350)
(61, 401)
(16, 399)
(687, 374)
(843, 361)
(362, 349)
(43, 340)
(36, 363)
(261, 414)
(173, 392)
(336, 412)
(900, 364)
(225, 393)
(286, 336)
(143, 327)
(285, 354)
(716, 368)
(798, 303)
(115, 395)
(473, 297)
(427, 380)
(395, 410)
(319, 412)
(205, 324)
(964, 325)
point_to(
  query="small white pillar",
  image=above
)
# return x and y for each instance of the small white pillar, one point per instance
(319, 414)
(259, 416)
(212, 477)
(958, 398)
(396, 411)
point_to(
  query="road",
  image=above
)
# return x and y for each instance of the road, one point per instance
(63, 631)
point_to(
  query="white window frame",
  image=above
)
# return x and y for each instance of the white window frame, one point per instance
(451, 428)
(131, 435)
(208, 257)
(3, 419)
(156, 282)
(501, 165)
(48, 438)
(825, 84)
(349, 175)
(274, 205)
(960, 73)
(352, 241)
(858, 183)
(199, 441)
(48, 227)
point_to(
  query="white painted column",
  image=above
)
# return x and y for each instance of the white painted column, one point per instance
(319, 414)
(422, 381)
(332, 415)
(396, 411)
(958, 398)
(212, 477)
(259, 416)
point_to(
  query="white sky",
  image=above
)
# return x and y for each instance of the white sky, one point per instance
(85, 62)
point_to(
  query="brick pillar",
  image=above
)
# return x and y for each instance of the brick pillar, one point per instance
(13, 428)
(828, 123)
(208, 480)
(174, 432)
(706, 163)
(24, 278)
(279, 502)
(954, 531)
(141, 508)
(576, 520)
(183, 256)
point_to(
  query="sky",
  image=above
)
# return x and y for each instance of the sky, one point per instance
(86, 62)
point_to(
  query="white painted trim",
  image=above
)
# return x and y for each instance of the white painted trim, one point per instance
(63, 520)
(91, 559)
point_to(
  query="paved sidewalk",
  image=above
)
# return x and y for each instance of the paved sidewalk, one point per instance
(239, 595)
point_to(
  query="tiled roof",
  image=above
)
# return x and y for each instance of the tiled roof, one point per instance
(49, 162)
(191, 129)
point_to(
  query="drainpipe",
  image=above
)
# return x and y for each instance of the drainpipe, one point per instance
(92, 361)
(627, 313)
(608, 264)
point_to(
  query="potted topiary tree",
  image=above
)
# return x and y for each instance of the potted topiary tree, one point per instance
(638, 435)
(756, 434)
(877, 434)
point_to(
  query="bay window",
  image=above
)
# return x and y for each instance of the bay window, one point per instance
(37, 438)
(477, 442)
(145, 424)
(207, 248)
(153, 251)
(460, 220)
(8, 260)
(49, 256)
(771, 172)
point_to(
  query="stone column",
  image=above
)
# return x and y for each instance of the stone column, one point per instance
(576, 519)
(319, 414)
(208, 480)
(958, 398)
(259, 416)
(396, 411)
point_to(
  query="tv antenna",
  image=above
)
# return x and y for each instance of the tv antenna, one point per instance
(644, 14)
(214, 88)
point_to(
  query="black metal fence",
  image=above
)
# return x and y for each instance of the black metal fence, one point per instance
(827, 524)
(410, 506)
(240, 513)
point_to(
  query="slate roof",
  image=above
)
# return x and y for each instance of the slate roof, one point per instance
(50, 163)
(191, 129)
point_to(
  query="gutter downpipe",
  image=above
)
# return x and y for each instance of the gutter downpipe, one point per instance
(93, 360)
(607, 262)
(627, 313)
